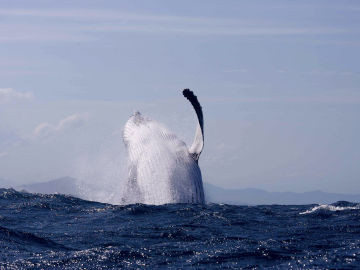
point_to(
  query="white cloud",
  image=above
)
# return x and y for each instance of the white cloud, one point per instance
(9, 94)
(69, 122)
(44, 129)
(3, 154)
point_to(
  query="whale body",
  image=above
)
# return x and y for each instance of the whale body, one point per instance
(162, 169)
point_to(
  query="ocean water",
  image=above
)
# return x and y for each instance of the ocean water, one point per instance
(62, 232)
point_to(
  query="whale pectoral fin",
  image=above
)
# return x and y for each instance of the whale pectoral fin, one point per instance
(198, 143)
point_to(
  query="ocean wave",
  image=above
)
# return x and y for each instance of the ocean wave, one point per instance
(28, 239)
(339, 206)
(61, 232)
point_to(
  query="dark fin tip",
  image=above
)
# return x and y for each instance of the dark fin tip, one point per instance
(187, 93)
(196, 105)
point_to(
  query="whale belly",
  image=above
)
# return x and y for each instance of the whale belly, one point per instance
(167, 177)
(162, 170)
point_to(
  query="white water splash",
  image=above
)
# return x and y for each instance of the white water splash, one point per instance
(155, 167)
(328, 207)
(102, 176)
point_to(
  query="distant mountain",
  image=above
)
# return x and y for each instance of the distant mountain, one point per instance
(254, 196)
(215, 194)
(64, 185)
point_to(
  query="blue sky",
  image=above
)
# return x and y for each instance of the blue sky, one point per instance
(279, 83)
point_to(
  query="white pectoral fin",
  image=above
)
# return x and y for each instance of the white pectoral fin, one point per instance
(198, 143)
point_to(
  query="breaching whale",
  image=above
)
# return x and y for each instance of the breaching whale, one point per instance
(162, 169)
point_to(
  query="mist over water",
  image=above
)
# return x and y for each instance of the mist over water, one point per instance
(102, 176)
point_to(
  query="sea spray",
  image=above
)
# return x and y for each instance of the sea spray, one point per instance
(153, 167)
(102, 176)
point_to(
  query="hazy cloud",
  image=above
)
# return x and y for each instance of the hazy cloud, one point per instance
(108, 21)
(69, 122)
(9, 94)
(3, 154)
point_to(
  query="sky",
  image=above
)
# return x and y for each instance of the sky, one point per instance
(279, 83)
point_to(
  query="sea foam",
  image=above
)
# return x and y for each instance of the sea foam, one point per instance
(329, 207)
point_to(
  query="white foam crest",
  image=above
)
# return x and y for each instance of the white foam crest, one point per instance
(329, 207)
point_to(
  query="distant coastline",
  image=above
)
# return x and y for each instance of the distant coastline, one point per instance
(253, 196)
(214, 194)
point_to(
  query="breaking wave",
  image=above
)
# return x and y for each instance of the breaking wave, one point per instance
(339, 206)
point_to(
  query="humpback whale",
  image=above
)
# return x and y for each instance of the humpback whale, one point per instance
(162, 169)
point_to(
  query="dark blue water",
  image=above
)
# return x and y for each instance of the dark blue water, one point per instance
(61, 232)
